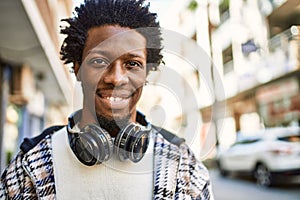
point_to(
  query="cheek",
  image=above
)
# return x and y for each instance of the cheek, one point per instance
(138, 80)
(90, 80)
(89, 84)
(139, 92)
(138, 85)
(136, 97)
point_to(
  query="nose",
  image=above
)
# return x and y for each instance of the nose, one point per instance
(115, 74)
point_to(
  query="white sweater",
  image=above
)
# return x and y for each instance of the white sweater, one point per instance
(113, 179)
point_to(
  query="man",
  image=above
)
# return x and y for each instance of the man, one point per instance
(108, 150)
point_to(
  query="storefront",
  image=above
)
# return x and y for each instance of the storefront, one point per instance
(276, 103)
(279, 102)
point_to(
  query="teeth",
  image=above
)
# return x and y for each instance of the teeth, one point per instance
(114, 98)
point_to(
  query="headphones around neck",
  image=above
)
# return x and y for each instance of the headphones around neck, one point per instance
(93, 144)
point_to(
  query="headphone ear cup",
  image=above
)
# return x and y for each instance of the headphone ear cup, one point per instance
(131, 143)
(122, 144)
(102, 141)
(93, 146)
(82, 147)
(138, 145)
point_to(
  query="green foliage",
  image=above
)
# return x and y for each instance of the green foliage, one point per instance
(193, 5)
(224, 5)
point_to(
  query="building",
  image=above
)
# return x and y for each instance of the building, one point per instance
(36, 88)
(256, 48)
(254, 70)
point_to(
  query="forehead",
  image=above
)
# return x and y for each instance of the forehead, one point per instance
(116, 38)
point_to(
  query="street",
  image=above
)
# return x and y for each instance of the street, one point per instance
(241, 188)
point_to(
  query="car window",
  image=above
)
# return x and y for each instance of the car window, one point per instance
(249, 141)
(291, 138)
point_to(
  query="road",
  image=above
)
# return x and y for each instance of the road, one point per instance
(241, 188)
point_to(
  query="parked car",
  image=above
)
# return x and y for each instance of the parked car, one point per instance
(263, 154)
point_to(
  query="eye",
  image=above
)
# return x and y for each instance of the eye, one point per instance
(134, 64)
(98, 62)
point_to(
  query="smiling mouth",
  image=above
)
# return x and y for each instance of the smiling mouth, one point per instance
(114, 99)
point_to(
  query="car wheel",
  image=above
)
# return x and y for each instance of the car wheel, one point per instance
(263, 175)
(222, 171)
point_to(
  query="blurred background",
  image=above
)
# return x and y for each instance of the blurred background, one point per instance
(254, 49)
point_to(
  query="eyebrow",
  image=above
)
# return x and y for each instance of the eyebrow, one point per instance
(127, 54)
(99, 51)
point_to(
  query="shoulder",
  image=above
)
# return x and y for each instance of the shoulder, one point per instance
(30, 143)
(37, 151)
(33, 158)
(30, 147)
(168, 136)
(193, 177)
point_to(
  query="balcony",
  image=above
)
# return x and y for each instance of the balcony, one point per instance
(282, 58)
(284, 16)
(285, 46)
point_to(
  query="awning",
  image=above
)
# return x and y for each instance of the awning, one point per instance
(24, 39)
(285, 14)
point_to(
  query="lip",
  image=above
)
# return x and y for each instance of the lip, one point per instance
(114, 103)
(114, 100)
(114, 93)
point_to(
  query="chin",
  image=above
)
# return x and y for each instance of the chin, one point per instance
(113, 123)
(115, 116)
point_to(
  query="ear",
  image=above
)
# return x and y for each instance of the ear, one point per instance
(76, 70)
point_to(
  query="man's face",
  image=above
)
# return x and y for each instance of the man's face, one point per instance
(113, 72)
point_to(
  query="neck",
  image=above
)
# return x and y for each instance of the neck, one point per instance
(86, 118)
(111, 126)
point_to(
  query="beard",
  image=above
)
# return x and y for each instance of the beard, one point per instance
(113, 126)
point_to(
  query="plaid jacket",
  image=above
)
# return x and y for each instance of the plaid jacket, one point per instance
(178, 175)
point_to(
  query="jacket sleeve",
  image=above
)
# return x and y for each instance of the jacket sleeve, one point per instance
(3, 190)
(193, 179)
(15, 184)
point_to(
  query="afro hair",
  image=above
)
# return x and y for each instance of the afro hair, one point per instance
(132, 14)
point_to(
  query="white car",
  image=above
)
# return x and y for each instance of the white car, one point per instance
(264, 154)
